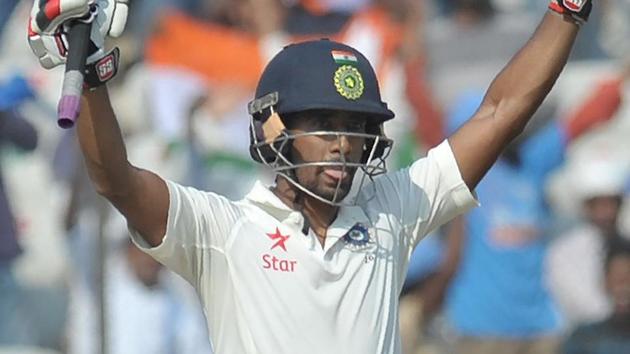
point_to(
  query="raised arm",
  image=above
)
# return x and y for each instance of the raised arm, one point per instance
(141, 196)
(513, 97)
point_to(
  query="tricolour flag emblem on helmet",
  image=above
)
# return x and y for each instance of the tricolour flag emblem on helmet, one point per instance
(342, 57)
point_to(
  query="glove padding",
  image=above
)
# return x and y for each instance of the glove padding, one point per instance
(50, 21)
(579, 10)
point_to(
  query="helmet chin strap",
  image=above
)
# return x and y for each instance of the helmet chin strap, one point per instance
(299, 200)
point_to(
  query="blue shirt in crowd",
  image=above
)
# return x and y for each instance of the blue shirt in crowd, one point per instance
(17, 132)
(499, 289)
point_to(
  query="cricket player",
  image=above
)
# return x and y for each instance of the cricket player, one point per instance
(302, 266)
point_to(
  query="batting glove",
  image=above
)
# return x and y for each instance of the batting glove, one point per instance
(578, 10)
(50, 22)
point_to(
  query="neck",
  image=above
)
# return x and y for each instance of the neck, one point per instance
(621, 321)
(318, 214)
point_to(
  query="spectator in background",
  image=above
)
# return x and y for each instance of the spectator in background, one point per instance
(391, 35)
(463, 53)
(6, 9)
(15, 324)
(142, 299)
(431, 269)
(198, 97)
(248, 35)
(144, 14)
(615, 29)
(612, 335)
(321, 6)
(498, 302)
(575, 263)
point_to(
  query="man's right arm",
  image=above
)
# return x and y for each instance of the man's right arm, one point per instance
(140, 195)
(513, 97)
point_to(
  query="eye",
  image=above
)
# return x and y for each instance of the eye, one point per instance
(326, 124)
(356, 126)
(314, 124)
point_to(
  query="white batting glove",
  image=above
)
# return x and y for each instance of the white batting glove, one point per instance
(49, 23)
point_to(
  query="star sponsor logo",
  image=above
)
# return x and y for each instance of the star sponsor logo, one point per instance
(279, 238)
(274, 263)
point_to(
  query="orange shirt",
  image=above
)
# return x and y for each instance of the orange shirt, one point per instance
(220, 54)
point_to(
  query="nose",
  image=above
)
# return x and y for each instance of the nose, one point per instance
(341, 145)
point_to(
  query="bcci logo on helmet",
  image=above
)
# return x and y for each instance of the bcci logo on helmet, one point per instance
(349, 82)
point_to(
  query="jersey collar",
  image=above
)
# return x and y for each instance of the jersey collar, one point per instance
(267, 199)
(348, 216)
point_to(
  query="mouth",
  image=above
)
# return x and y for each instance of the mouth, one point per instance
(336, 174)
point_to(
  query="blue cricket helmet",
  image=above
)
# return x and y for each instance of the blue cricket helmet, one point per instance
(320, 74)
(307, 76)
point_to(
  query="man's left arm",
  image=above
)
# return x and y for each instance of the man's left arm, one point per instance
(514, 96)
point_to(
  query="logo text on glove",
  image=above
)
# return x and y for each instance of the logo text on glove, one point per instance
(574, 5)
(106, 68)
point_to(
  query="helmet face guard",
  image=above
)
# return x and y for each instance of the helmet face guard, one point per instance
(271, 144)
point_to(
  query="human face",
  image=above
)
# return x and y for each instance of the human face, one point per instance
(618, 284)
(324, 181)
(603, 211)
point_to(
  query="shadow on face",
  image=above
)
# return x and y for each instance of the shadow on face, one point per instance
(334, 148)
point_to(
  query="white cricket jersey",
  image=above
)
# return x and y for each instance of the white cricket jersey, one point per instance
(267, 288)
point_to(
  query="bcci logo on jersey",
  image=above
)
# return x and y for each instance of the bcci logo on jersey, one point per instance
(358, 236)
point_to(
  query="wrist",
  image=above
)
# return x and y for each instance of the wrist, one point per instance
(576, 11)
(566, 18)
(102, 70)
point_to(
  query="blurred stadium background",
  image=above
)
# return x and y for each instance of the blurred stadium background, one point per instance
(71, 283)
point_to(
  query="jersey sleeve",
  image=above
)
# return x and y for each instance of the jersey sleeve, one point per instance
(198, 225)
(425, 195)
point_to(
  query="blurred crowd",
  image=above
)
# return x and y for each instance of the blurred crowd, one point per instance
(542, 267)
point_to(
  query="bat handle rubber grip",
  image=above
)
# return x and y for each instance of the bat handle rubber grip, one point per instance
(70, 102)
